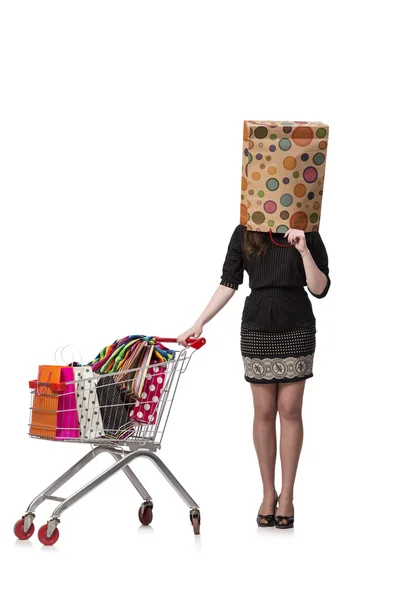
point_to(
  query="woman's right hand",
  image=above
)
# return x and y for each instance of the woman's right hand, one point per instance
(194, 332)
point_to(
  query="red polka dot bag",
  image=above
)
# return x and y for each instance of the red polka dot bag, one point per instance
(144, 409)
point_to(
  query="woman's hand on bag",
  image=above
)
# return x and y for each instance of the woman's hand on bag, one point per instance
(194, 332)
(298, 239)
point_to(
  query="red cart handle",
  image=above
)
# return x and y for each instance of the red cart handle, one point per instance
(195, 343)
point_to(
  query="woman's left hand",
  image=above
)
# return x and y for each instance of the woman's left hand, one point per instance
(297, 238)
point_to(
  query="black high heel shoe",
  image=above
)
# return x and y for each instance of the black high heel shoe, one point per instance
(270, 519)
(289, 521)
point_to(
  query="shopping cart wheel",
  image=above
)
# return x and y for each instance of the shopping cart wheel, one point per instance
(19, 530)
(195, 520)
(48, 541)
(145, 514)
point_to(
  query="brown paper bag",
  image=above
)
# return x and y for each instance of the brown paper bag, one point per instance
(283, 173)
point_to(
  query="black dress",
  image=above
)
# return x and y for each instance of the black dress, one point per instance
(278, 328)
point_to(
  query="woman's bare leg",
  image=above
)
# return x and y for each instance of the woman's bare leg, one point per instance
(290, 402)
(264, 436)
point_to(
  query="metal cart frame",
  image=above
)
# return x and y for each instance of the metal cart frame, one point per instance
(143, 442)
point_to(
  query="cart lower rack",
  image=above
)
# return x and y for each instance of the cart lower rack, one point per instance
(124, 414)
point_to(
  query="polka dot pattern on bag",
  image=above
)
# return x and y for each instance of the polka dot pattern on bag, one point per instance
(296, 160)
(145, 408)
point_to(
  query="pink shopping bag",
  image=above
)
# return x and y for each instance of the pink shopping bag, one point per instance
(67, 414)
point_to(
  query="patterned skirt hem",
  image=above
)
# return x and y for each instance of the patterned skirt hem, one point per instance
(272, 369)
(284, 380)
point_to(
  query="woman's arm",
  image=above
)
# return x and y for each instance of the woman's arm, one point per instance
(231, 279)
(315, 260)
(317, 281)
(316, 266)
(221, 296)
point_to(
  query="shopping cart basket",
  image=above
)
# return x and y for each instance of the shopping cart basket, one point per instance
(107, 425)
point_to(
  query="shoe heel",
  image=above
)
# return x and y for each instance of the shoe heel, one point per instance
(269, 518)
(289, 521)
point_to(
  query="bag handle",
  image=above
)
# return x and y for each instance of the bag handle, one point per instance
(65, 362)
(276, 243)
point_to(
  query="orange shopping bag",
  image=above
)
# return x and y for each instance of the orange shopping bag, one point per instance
(54, 413)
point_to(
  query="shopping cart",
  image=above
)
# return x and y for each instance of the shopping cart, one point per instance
(112, 430)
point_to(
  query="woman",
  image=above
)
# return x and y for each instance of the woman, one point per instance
(278, 339)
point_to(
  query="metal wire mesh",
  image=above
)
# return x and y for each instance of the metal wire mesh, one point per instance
(125, 407)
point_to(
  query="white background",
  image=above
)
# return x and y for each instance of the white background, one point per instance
(121, 138)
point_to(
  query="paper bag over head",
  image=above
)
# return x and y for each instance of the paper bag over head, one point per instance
(283, 173)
